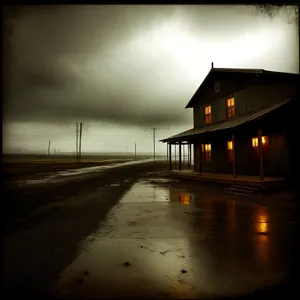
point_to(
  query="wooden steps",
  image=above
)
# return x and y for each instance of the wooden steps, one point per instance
(244, 189)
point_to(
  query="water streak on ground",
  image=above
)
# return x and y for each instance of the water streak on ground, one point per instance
(68, 173)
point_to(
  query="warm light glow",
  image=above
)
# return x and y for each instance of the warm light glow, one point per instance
(255, 142)
(230, 102)
(185, 199)
(262, 222)
(207, 147)
(262, 228)
(264, 141)
(207, 110)
(229, 145)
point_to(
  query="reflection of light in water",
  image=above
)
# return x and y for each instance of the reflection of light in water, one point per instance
(231, 214)
(184, 199)
(262, 221)
(263, 227)
(262, 240)
(262, 248)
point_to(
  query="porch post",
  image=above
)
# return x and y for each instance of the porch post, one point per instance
(261, 161)
(183, 150)
(200, 156)
(195, 154)
(167, 152)
(170, 156)
(189, 155)
(234, 158)
(180, 164)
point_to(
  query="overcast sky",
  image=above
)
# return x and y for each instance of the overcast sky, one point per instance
(122, 70)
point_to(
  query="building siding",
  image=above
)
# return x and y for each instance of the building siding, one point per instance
(275, 155)
(250, 98)
(256, 97)
(252, 93)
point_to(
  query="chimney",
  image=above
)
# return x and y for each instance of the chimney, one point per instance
(212, 65)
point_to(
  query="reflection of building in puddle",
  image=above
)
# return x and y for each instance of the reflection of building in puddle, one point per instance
(208, 213)
(262, 240)
(262, 221)
(184, 198)
(231, 215)
(181, 197)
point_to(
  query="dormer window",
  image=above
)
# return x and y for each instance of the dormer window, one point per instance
(230, 107)
(207, 114)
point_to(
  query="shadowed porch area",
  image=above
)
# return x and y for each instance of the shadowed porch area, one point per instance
(269, 182)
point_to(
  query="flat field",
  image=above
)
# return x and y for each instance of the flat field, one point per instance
(20, 166)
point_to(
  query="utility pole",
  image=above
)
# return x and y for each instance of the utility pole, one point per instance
(49, 148)
(134, 151)
(77, 142)
(153, 143)
(80, 141)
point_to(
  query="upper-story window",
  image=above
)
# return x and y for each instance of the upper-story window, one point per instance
(230, 107)
(207, 114)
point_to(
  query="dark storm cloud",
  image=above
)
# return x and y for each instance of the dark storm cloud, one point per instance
(68, 62)
(51, 78)
(108, 63)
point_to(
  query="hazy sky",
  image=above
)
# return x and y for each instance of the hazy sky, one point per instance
(124, 69)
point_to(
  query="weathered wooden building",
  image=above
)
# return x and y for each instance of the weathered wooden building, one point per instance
(245, 123)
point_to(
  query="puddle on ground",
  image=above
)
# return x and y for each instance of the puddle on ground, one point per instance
(144, 191)
(215, 249)
(160, 180)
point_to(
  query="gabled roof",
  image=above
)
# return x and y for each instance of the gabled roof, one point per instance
(213, 71)
(227, 124)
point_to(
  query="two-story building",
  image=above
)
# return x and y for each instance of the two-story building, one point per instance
(245, 123)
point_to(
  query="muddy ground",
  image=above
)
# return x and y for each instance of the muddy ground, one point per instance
(133, 231)
(21, 166)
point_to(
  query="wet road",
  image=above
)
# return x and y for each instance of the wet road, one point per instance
(160, 239)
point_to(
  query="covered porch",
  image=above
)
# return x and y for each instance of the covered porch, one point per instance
(188, 157)
(245, 180)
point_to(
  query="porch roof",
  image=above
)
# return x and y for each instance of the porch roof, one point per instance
(226, 124)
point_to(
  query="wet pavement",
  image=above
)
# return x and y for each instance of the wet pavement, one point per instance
(165, 240)
(61, 176)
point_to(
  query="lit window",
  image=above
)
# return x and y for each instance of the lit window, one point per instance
(207, 114)
(255, 142)
(264, 141)
(230, 107)
(230, 150)
(206, 152)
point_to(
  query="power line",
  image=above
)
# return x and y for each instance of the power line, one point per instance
(77, 142)
(49, 147)
(80, 134)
